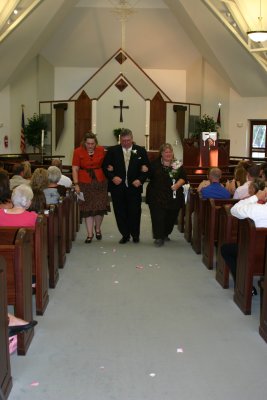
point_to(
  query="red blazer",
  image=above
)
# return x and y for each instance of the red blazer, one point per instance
(89, 165)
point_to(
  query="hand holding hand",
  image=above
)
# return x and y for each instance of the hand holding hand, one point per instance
(144, 168)
(136, 183)
(117, 180)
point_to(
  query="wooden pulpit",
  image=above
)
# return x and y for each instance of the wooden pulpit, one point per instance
(206, 151)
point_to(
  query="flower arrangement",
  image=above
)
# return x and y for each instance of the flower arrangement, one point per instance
(134, 151)
(205, 124)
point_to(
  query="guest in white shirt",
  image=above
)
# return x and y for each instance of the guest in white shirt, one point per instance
(243, 191)
(254, 207)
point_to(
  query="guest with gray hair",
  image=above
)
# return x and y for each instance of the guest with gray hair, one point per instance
(54, 191)
(18, 215)
(64, 180)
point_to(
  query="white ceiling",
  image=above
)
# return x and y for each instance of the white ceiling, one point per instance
(162, 34)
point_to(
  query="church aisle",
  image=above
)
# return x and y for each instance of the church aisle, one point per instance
(135, 322)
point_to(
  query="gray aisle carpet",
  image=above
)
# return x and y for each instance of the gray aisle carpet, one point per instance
(135, 322)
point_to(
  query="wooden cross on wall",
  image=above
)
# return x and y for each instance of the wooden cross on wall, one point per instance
(121, 106)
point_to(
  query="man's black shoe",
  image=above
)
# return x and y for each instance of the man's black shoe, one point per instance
(124, 240)
(136, 239)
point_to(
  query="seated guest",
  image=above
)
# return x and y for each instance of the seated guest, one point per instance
(39, 182)
(5, 193)
(18, 325)
(64, 180)
(54, 190)
(242, 192)
(27, 170)
(256, 185)
(240, 177)
(263, 171)
(18, 176)
(215, 190)
(18, 215)
(204, 183)
(255, 208)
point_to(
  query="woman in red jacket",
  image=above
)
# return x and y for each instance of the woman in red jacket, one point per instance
(89, 179)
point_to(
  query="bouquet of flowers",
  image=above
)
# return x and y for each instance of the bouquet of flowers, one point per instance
(173, 173)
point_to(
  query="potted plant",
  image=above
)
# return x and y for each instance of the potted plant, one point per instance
(205, 124)
(33, 131)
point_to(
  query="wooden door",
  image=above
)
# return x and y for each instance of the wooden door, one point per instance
(83, 117)
(157, 122)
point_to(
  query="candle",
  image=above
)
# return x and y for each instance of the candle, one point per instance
(42, 139)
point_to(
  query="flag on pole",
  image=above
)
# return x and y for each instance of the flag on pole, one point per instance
(22, 136)
(219, 117)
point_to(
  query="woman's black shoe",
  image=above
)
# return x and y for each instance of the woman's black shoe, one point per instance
(14, 330)
(98, 235)
(89, 239)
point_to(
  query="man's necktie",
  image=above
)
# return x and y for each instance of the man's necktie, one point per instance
(127, 156)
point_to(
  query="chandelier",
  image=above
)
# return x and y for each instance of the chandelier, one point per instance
(259, 35)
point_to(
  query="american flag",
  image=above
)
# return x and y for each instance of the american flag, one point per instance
(22, 136)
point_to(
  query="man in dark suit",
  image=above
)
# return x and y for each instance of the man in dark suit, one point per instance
(126, 167)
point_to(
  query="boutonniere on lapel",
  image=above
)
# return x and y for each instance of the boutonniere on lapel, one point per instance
(134, 152)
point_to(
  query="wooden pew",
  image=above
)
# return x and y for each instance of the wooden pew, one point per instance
(198, 224)
(61, 233)
(251, 244)
(18, 257)
(40, 264)
(5, 373)
(228, 226)
(53, 244)
(263, 314)
(39, 261)
(210, 236)
(68, 204)
(181, 219)
(189, 209)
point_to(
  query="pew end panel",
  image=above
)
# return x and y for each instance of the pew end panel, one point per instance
(227, 233)
(211, 228)
(5, 371)
(263, 314)
(61, 233)
(251, 244)
(18, 257)
(198, 223)
(41, 264)
(53, 245)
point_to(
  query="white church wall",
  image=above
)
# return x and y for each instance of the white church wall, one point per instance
(23, 90)
(215, 91)
(45, 76)
(194, 82)
(5, 120)
(172, 82)
(69, 80)
(242, 110)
